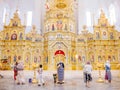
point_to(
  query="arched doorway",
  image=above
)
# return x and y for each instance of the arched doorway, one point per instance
(59, 56)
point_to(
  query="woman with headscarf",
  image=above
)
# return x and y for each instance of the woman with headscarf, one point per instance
(60, 72)
(108, 71)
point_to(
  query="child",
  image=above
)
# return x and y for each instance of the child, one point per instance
(15, 70)
(40, 78)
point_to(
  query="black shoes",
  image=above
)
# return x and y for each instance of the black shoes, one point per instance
(42, 84)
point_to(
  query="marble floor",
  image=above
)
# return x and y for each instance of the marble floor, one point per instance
(73, 81)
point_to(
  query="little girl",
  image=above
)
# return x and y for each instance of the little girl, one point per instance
(15, 70)
(40, 78)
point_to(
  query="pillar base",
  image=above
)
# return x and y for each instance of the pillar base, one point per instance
(100, 80)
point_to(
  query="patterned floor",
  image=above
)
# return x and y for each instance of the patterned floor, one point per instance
(73, 81)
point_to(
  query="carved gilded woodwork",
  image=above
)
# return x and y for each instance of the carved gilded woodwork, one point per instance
(59, 34)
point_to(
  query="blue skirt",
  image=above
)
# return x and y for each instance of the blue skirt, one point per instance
(60, 72)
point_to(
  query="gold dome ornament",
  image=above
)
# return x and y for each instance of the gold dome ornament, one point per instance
(61, 5)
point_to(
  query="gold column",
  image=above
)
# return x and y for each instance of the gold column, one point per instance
(118, 66)
(100, 80)
(34, 81)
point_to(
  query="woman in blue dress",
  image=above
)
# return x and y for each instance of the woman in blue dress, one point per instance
(108, 72)
(60, 72)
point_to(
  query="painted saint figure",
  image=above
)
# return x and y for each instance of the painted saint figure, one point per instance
(15, 24)
(46, 59)
(39, 59)
(53, 28)
(111, 35)
(99, 58)
(35, 59)
(65, 27)
(15, 58)
(7, 36)
(48, 27)
(79, 59)
(14, 36)
(60, 72)
(104, 35)
(59, 25)
(27, 59)
(97, 35)
(21, 36)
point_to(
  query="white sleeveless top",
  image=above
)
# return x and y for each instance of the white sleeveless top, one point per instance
(40, 70)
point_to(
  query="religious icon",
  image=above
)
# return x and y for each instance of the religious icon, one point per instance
(59, 25)
(14, 36)
(109, 58)
(19, 57)
(15, 24)
(53, 28)
(47, 59)
(103, 24)
(83, 58)
(97, 35)
(92, 58)
(113, 58)
(111, 35)
(39, 59)
(27, 59)
(35, 59)
(71, 27)
(37, 51)
(119, 57)
(79, 58)
(48, 27)
(15, 58)
(9, 59)
(47, 7)
(99, 59)
(21, 36)
(103, 58)
(5, 57)
(7, 36)
(104, 35)
(72, 59)
(65, 27)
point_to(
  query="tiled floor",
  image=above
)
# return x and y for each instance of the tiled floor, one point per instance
(73, 81)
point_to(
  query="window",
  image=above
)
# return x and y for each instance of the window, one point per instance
(88, 16)
(29, 18)
(4, 15)
(112, 14)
